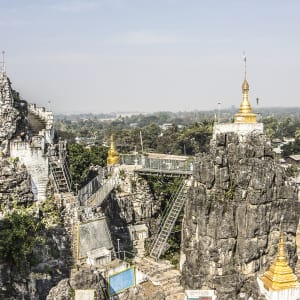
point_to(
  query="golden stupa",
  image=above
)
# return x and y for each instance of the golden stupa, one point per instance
(245, 115)
(280, 275)
(113, 155)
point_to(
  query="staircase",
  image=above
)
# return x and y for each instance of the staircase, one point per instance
(162, 273)
(36, 124)
(170, 218)
(60, 174)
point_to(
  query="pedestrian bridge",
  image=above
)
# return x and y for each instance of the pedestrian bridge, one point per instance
(155, 164)
(159, 164)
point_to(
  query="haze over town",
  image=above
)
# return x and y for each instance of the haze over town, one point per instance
(102, 56)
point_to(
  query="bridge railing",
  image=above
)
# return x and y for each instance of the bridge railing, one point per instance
(167, 164)
(157, 163)
(131, 159)
(90, 188)
(98, 197)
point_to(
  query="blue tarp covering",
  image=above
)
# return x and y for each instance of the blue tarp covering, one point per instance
(121, 281)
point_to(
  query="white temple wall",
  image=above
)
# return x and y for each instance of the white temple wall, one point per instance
(287, 294)
(36, 162)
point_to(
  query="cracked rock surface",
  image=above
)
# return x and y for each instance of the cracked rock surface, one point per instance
(233, 216)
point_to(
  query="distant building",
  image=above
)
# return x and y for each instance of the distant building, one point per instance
(165, 126)
(133, 125)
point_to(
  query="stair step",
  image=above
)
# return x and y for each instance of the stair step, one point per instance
(168, 225)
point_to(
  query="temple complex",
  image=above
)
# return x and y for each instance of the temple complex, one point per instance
(234, 198)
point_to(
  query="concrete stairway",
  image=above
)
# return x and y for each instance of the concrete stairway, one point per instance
(36, 124)
(162, 273)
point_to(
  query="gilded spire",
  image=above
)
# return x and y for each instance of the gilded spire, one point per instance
(245, 115)
(280, 275)
(113, 156)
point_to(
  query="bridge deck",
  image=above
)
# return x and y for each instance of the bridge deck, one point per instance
(172, 172)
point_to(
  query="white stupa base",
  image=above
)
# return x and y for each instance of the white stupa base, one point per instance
(241, 129)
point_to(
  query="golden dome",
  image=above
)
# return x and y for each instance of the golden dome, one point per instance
(113, 155)
(280, 275)
(245, 115)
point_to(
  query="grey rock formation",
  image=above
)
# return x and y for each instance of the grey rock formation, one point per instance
(53, 256)
(79, 280)
(233, 216)
(15, 186)
(145, 291)
(131, 203)
(9, 116)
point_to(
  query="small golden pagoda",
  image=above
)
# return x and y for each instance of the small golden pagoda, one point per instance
(245, 115)
(113, 155)
(280, 275)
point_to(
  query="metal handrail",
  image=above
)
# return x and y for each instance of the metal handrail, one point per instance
(159, 164)
(179, 199)
(98, 197)
(90, 188)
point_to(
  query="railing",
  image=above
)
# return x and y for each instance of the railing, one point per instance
(67, 175)
(90, 188)
(61, 164)
(131, 159)
(158, 164)
(167, 164)
(168, 221)
(108, 185)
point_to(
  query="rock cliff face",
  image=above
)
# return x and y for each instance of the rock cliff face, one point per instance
(240, 200)
(81, 280)
(52, 255)
(15, 184)
(131, 203)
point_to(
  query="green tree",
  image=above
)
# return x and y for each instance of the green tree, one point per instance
(291, 148)
(81, 161)
(271, 127)
(18, 237)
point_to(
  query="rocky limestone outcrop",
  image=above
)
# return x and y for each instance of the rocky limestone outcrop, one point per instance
(83, 279)
(240, 200)
(15, 186)
(131, 203)
(145, 291)
(52, 255)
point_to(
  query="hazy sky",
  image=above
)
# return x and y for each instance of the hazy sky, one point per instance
(150, 55)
